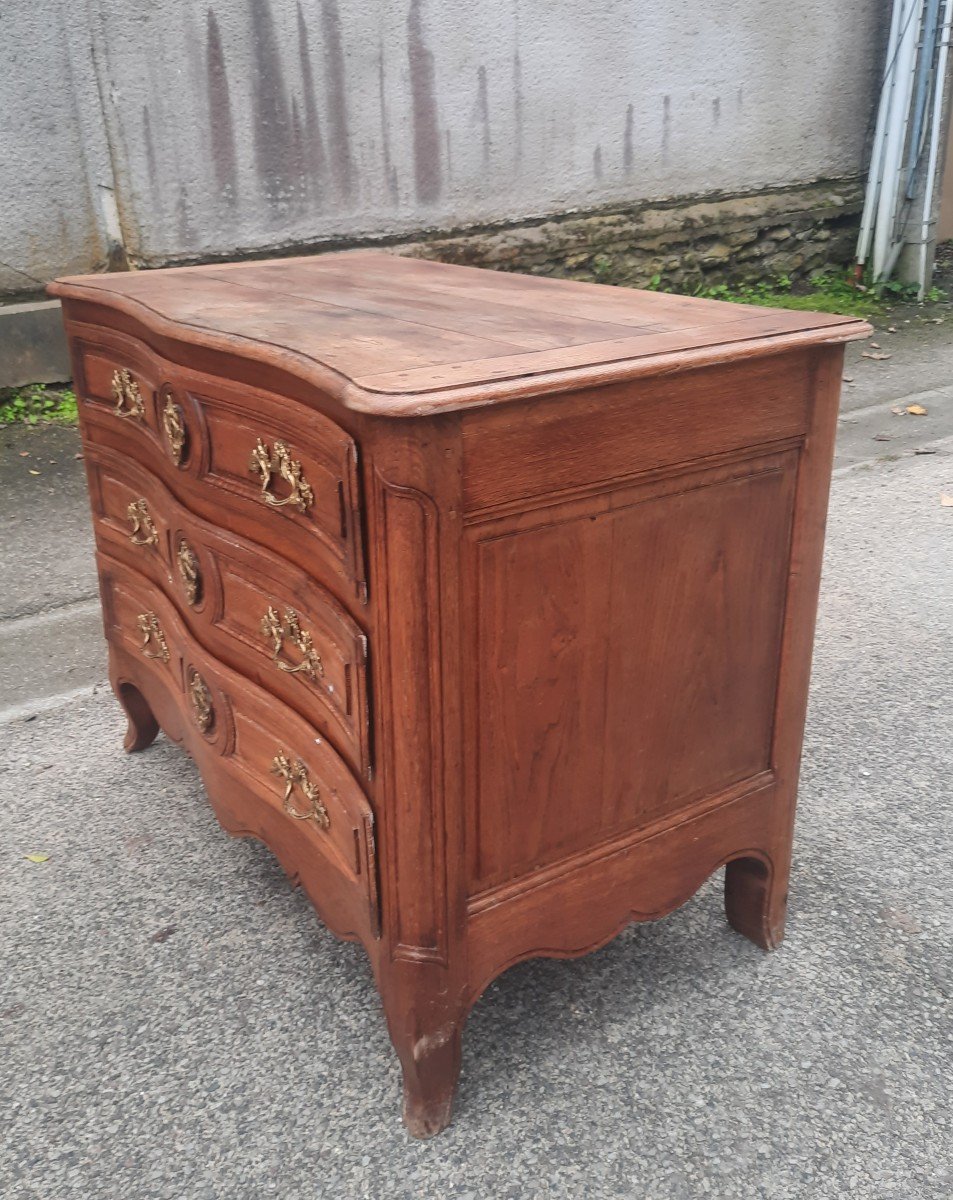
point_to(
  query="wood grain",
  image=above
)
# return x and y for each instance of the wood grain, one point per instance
(633, 632)
(397, 336)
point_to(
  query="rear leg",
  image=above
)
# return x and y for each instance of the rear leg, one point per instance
(756, 898)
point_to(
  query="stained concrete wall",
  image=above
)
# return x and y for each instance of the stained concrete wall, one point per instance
(186, 130)
(945, 220)
(52, 153)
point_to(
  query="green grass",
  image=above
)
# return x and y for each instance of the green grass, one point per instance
(37, 404)
(830, 292)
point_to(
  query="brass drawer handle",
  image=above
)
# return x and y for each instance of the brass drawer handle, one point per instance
(266, 463)
(295, 774)
(174, 427)
(188, 563)
(276, 629)
(144, 532)
(127, 396)
(154, 644)
(201, 700)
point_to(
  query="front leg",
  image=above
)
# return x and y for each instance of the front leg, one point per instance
(142, 727)
(431, 1066)
(427, 1035)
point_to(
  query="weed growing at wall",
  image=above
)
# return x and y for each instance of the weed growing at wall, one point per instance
(37, 404)
(830, 292)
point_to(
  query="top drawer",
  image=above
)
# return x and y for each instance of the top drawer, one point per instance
(286, 474)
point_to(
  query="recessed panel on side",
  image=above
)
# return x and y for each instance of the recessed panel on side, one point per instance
(627, 656)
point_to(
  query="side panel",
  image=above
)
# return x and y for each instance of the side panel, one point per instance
(628, 649)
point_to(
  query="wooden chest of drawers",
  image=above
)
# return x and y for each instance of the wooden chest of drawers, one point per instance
(485, 601)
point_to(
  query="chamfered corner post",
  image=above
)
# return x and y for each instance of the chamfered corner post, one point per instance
(414, 504)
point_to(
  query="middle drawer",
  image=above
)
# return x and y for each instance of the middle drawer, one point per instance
(249, 606)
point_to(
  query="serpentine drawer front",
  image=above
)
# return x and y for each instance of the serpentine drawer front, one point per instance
(228, 724)
(249, 605)
(486, 601)
(229, 446)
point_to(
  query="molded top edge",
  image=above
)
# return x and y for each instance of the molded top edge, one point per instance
(401, 337)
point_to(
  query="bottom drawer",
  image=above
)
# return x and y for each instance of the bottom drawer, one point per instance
(228, 722)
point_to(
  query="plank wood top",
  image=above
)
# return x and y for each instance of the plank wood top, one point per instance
(398, 336)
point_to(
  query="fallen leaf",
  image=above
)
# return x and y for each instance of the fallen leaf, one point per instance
(24, 453)
(899, 412)
(874, 345)
(37, 858)
(946, 501)
(163, 935)
(916, 410)
(32, 472)
(883, 437)
(877, 354)
(925, 450)
(891, 329)
(848, 379)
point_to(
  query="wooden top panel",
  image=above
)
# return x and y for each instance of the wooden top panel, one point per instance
(403, 337)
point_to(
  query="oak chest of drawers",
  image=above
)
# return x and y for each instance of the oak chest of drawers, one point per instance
(485, 601)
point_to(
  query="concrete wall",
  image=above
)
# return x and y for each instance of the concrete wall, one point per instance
(945, 220)
(180, 130)
(50, 132)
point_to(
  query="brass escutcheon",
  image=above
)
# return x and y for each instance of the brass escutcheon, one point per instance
(143, 530)
(152, 635)
(276, 629)
(266, 463)
(201, 700)
(127, 396)
(188, 563)
(295, 774)
(174, 427)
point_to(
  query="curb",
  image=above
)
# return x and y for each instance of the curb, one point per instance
(33, 344)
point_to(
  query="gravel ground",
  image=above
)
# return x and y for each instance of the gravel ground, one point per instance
(175, 1024)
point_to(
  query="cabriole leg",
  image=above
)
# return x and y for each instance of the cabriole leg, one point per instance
(427, 1034)
(142, 726)
(431, 1066)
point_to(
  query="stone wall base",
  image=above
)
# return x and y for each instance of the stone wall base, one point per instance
(687, 243)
